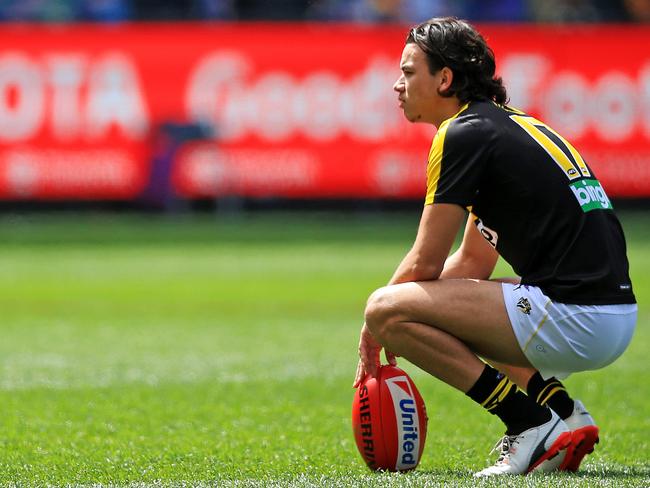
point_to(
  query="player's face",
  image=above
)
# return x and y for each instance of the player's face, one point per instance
(417, 87)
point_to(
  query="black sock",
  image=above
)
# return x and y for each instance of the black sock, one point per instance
(550, 393)
(500, 396)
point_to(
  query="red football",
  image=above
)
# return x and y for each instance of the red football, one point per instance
(389, 420)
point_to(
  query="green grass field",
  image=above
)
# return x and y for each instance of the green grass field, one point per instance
(148, 351)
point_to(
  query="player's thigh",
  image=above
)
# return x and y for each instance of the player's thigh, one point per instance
(471, 310)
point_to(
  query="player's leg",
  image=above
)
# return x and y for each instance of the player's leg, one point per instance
(441, 326)
(549, 392)
(552, 393)
(584, 431)
(559, 339)
(472, 311)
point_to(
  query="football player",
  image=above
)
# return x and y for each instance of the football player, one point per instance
(526, 194)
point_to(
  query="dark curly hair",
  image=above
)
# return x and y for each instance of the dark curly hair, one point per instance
(453, 43)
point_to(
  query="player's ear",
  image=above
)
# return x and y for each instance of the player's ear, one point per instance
(446, 78)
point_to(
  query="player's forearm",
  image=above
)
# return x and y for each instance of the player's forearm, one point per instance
(438, 227)
(414, 267)
(458, 266)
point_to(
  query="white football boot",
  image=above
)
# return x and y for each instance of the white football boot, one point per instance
(584, 436)
(539, 448)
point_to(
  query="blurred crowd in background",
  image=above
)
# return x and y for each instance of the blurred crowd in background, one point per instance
(325, 10)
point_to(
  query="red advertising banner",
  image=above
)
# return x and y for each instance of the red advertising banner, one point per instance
(294, 110)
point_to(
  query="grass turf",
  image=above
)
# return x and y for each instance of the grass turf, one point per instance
(146, 351)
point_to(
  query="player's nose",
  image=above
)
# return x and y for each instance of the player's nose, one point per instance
(398, 86)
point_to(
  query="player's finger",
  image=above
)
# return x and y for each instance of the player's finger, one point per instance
(365, 355)
(371, 363)
(391, 358)
(361, 374)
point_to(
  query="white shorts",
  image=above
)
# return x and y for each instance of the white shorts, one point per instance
(559, 339)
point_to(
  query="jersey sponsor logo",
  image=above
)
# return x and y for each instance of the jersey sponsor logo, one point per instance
(490, 235)
(588, 192)
(590, 195)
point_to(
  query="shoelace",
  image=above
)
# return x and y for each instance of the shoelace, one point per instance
(504, 445)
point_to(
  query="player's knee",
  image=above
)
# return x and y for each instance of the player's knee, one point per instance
(381, 312)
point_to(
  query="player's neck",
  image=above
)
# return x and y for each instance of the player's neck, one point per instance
(447, 109)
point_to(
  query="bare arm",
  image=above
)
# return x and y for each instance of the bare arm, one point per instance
(424, 262)
(436, 233)
(475, 258)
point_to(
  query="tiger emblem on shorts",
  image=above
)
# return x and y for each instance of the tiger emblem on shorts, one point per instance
(524, 305)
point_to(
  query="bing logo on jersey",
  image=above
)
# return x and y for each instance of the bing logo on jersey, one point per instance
(590, 195)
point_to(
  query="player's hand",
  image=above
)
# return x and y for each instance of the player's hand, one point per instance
(369, 350)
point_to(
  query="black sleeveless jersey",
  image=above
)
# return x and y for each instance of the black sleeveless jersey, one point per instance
(535, 200)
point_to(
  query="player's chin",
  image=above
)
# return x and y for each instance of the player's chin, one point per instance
(411, 117)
